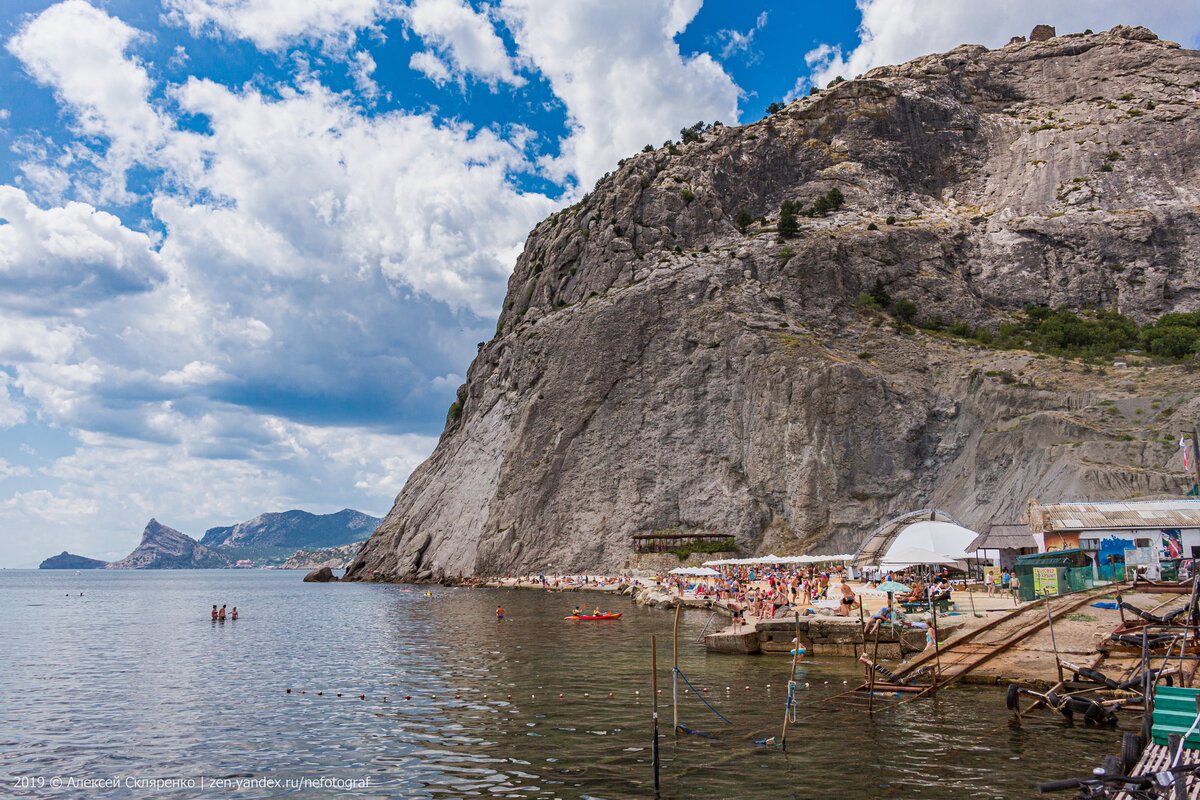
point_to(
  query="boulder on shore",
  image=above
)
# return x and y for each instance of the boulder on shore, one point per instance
(320, 575)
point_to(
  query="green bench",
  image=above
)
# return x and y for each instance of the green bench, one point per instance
(943, 607)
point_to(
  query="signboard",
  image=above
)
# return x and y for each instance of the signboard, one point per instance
(1045, 580)
(1141, 555)
(994, 572)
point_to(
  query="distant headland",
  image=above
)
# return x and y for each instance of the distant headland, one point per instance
(267, 540)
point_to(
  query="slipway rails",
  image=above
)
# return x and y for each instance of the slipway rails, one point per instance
(945, 663)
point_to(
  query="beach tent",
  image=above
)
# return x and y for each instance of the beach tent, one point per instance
(917, 555)
(945, 539)
(699, 572)
(929, 528)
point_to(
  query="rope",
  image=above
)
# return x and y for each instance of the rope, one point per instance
(686, 729)
(790, 709)
(693, 688)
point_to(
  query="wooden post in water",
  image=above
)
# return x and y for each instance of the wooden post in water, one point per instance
(654, 706)
(862, 628)
(791, 686)
(871, 673)
(937, 647)
(675, 673)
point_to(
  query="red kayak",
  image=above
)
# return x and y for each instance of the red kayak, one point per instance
(601, 616)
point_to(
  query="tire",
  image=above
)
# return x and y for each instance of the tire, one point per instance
(1131, 752)
(1012, 700)
(1096, 714)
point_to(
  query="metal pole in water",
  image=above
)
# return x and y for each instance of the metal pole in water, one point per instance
(675, 673)
(654, 706)
(1053, 644)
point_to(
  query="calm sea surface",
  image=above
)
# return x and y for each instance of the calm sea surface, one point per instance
(132, 682)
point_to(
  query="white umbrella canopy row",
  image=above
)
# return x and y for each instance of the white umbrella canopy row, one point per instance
(773, 559)
(699, 572)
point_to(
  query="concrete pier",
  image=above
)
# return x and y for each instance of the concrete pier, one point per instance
(822, 635)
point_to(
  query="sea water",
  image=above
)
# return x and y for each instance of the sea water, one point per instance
(116, 684)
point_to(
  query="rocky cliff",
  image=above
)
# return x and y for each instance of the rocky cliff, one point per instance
(166, 548)
(665, 361)
(294, 529)
(65, 560)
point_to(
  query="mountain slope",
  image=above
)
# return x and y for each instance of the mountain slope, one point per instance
(664, 361)
(166, 548)
(294, 529)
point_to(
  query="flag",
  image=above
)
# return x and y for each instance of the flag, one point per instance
(1187, 453)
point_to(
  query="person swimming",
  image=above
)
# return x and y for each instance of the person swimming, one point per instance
(499, 612)
(233, 614)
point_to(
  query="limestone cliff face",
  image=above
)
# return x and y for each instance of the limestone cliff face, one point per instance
(658, 367)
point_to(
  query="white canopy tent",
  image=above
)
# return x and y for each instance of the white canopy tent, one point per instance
(910, 556)
(698, 572)
(944, 539)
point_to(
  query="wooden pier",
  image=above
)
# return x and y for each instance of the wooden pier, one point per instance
(941, 666)
(1157, 757)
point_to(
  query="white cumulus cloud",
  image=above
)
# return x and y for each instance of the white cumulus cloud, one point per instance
(465, 39)
(276, 24)
(59, 259)
(617, 68)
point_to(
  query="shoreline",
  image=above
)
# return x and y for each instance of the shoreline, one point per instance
(1081, 638)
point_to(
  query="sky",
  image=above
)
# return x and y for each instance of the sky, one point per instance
(248, 248)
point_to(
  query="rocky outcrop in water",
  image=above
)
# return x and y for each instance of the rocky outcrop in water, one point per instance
(166, 548)
(65, 560)
(294, 529)
(664, 361)
(320, 575)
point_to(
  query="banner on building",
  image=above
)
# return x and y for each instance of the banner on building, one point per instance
(1172, 543)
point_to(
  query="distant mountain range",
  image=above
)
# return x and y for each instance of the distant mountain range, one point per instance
(294, 529)
(267, 540)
